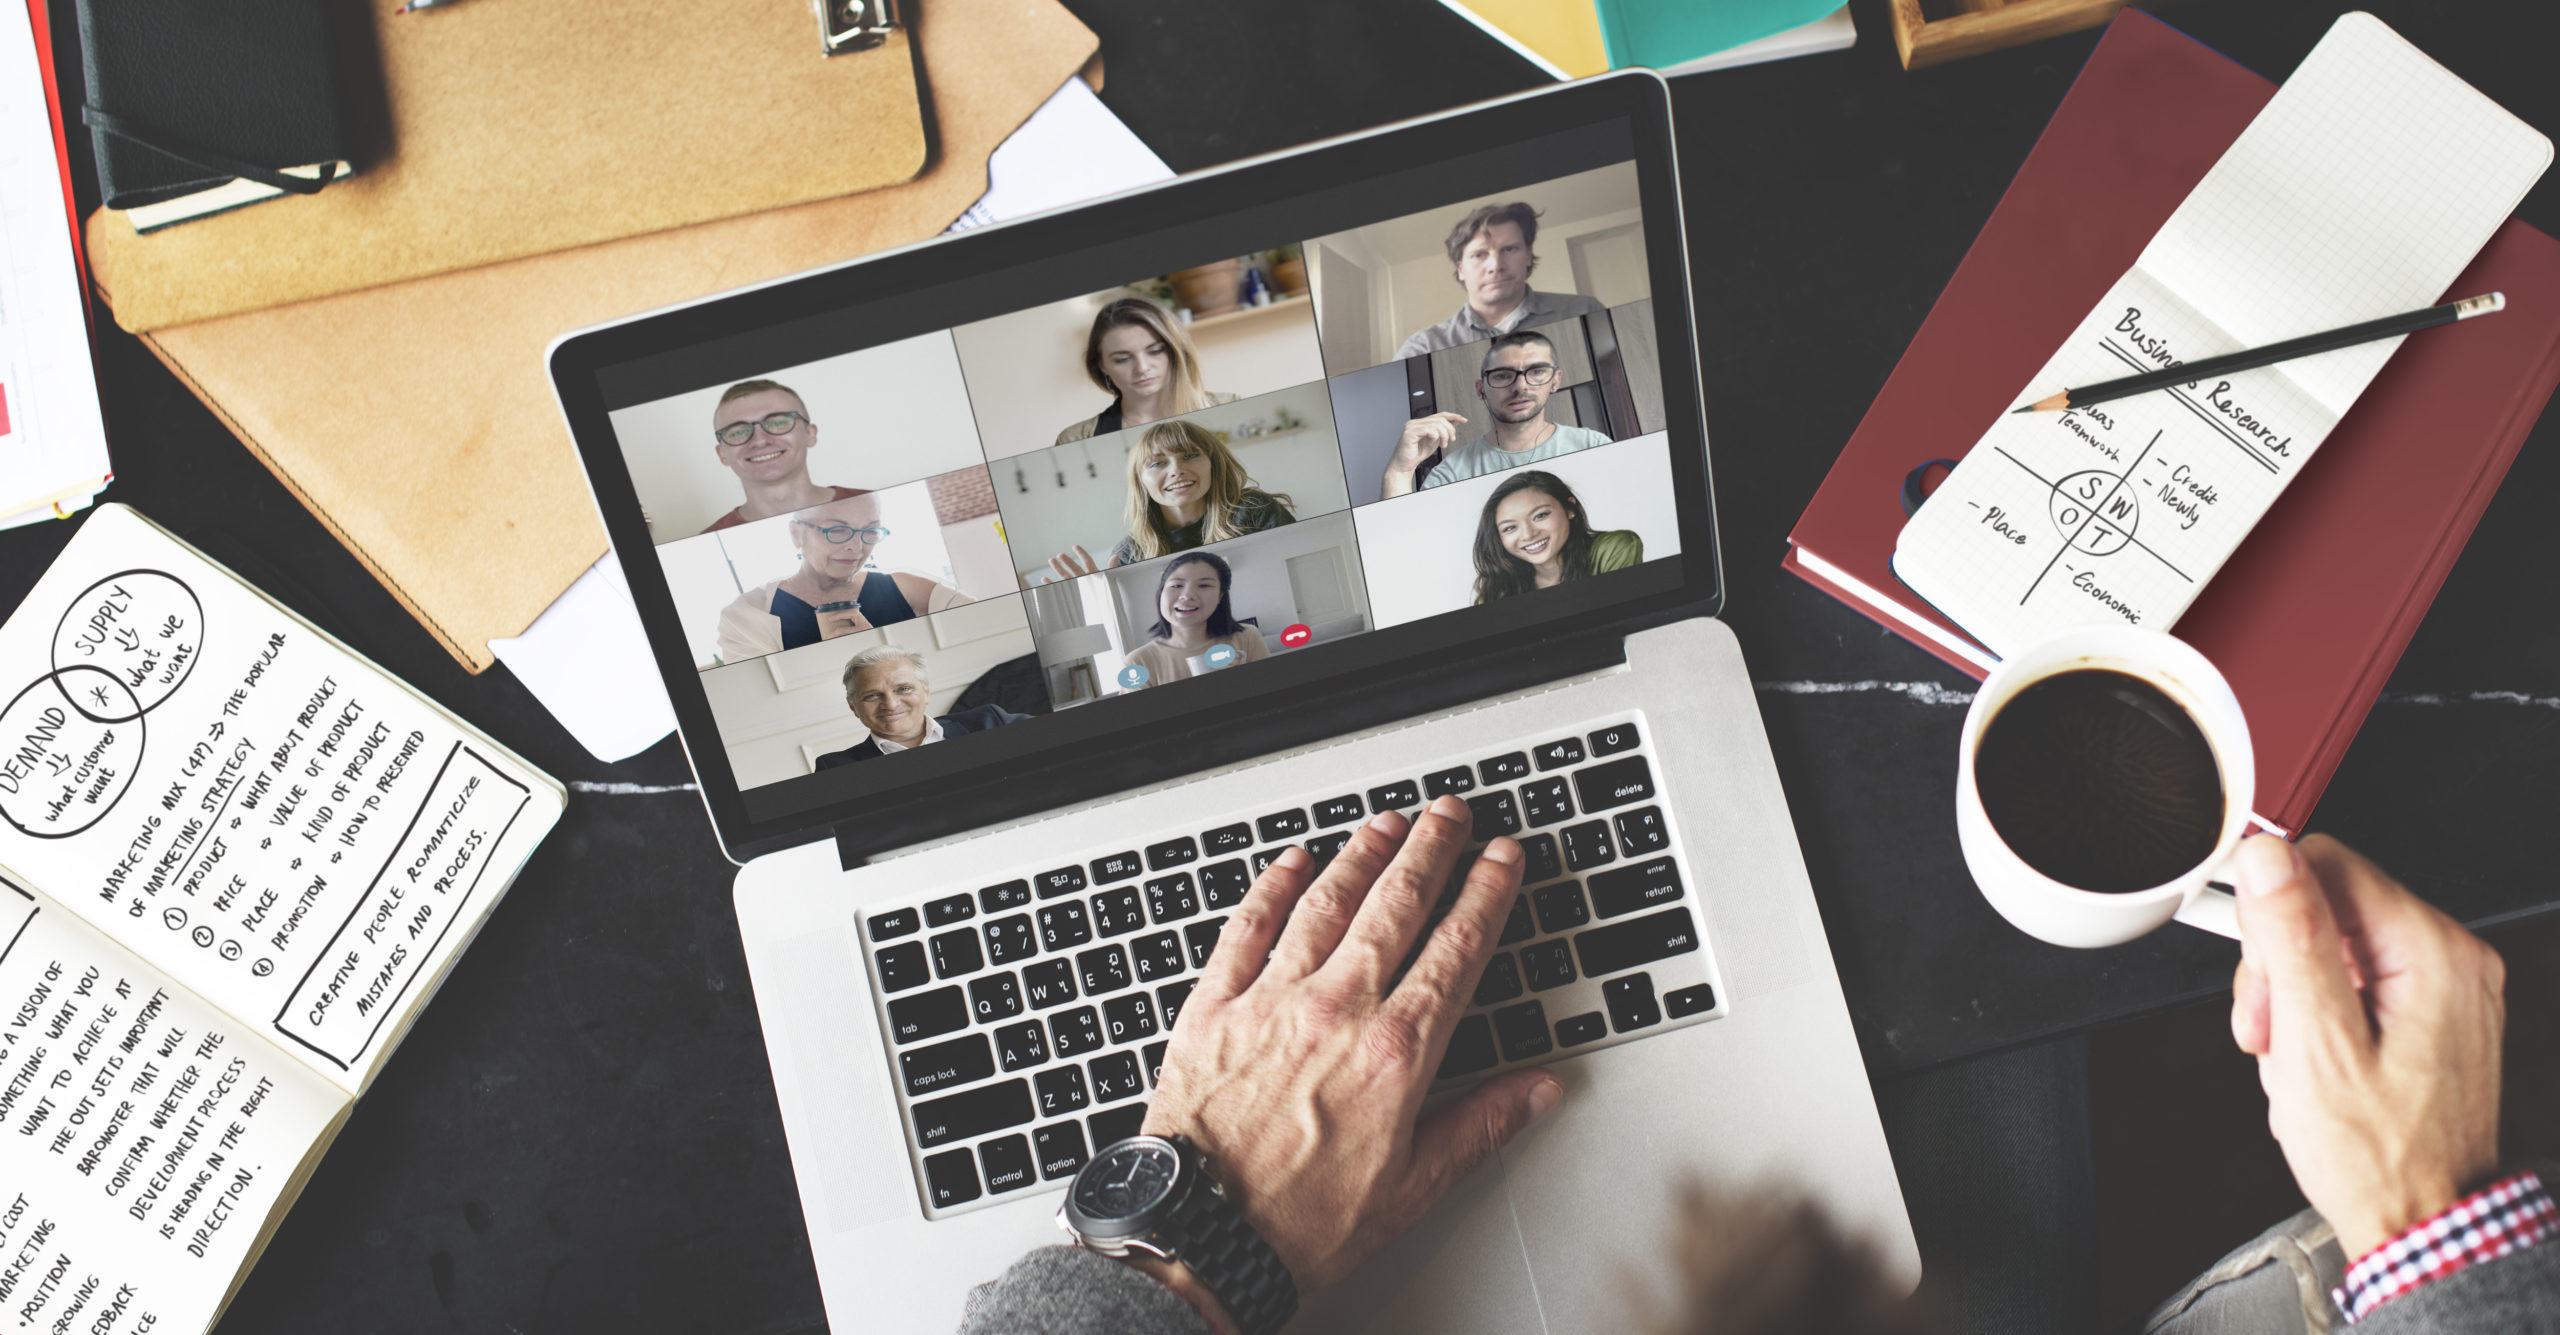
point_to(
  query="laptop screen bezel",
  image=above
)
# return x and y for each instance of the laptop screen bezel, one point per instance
(1282, 703)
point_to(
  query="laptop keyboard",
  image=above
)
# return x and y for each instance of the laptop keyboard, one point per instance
(1027, 1018)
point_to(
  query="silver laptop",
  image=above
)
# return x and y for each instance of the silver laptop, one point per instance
(1022, 594)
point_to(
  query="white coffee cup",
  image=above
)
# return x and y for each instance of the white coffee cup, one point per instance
(2067, 915)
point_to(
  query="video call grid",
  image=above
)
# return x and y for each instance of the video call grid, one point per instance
(1364, 514)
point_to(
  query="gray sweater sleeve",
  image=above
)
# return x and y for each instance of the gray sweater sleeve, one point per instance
(1071, 1291)
(2516, 1294)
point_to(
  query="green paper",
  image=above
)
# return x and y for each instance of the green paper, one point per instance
(1664, 33)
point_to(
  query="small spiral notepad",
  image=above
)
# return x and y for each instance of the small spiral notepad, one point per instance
(2362, 190)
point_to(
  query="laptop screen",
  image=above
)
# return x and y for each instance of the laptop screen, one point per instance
(901, 533)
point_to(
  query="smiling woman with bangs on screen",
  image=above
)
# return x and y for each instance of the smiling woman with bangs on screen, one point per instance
(1186, 490)
(1143, 359)
(1534, 534)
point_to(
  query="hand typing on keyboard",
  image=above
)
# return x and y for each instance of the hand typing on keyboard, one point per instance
(1303, 1056)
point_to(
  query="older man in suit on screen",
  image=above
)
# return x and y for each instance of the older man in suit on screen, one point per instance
(887, 689)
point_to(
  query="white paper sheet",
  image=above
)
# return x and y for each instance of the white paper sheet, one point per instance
(300, 840)
(2360, 191)
(144, 1137)
(53, 441)
(585, 658)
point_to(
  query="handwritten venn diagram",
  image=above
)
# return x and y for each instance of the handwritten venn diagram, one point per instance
(72, 739)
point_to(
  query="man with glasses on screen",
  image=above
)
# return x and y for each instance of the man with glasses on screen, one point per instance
(761, 431)
(834, 592)
(1518, 376)
(1492, 252)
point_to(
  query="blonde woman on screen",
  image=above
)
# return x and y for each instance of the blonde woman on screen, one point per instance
(1144, 360)
(1186, 489)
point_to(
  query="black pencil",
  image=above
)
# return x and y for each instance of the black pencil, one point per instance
(2253, 358)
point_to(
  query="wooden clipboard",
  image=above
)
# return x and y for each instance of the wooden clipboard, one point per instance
(496, 129)
(417, 419)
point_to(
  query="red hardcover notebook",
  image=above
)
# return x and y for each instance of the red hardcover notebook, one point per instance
(2310, 615)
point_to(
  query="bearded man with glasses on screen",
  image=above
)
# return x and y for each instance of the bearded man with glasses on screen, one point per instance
(761, 431)
(1518, 376)
(834, 592)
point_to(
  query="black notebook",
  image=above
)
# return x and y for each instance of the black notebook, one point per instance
(200, 106)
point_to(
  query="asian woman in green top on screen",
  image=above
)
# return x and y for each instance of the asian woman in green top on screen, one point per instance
(1535, 535)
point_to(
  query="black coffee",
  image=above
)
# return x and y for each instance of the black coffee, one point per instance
(2099, 780)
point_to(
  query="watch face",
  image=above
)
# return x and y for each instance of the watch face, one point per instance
(1126, 1181)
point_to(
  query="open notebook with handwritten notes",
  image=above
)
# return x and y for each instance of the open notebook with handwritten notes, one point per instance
(236, 859)
(2366, 185)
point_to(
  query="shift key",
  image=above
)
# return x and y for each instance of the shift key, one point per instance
(972, 1113)
(1624, 945)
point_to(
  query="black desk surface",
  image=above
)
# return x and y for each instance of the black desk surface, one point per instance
(581, 1130)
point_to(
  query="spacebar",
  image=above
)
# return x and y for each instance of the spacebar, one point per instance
(1625, 945)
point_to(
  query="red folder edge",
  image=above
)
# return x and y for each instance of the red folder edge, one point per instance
(42, 23)
(2306, 638)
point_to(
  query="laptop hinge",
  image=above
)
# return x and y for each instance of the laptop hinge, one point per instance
(1276, 725)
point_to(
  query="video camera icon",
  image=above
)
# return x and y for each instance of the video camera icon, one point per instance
(1296, 636)
(1219, 655)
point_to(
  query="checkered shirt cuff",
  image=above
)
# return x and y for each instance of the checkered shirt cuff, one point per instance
(2506, 1216)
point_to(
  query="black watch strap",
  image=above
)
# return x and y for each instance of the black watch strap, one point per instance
(1235, 1263)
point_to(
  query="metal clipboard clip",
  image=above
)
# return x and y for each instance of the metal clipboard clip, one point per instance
(854, 25)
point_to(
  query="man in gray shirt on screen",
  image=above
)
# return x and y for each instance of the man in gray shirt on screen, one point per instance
(1518, 376)
(1491, 254)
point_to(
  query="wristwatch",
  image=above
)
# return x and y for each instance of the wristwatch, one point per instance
(1155, 1194)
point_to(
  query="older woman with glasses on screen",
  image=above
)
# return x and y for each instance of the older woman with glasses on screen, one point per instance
(1141, 357)
(1186, 489)
(834, 592)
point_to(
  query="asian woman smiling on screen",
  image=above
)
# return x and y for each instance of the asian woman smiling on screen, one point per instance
(1534, 534)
